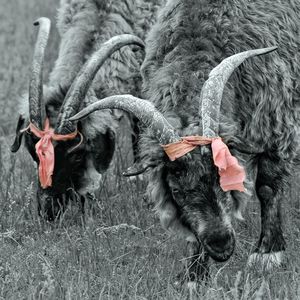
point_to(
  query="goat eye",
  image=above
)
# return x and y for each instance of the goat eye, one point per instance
(175, 192)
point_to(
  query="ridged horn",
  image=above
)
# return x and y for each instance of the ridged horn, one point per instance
(36, 105)
(83, 80)
(212, 90)
(144, 110)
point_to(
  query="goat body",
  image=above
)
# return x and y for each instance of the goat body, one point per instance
(84, 26)
(190, 53)
(259, 110)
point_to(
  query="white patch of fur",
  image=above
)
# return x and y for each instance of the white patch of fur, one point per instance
(227, 221)
(192, 286)
(191, 238)
(267, 261)
(201, 227)
(242, 198)
(170, 222)
(226, 218)
(91, 179)
(238, 215)
(167, 214)
(205, 150)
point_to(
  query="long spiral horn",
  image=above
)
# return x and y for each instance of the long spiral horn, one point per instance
(82, 82)
(212, 90)
(144, 110)
(36, 105)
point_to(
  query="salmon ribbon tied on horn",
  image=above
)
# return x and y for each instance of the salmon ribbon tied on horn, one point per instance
(232, 175)
(45, 150)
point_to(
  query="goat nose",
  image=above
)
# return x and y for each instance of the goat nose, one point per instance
(220, 242)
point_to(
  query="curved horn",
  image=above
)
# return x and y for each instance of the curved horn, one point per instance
(212, 90)
(36, 106)
(83, 80)
(144, 110)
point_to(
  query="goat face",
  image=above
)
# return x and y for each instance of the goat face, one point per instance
(68, 169)
(187, 186)
(74, 160)
(192, 183)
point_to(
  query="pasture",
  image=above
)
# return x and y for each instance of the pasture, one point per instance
(118, 249)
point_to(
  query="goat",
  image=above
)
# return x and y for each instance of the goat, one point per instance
(194, 48)
(84, 26)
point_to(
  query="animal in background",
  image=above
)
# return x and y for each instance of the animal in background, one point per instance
(93, 35)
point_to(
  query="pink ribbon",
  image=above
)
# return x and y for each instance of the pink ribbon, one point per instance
(45, 150)
(232, 175)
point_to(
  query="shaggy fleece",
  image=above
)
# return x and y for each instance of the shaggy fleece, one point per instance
(261, 101)
(83, 26)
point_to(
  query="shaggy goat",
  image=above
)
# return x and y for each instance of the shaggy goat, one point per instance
(258, 119)
(84, 26)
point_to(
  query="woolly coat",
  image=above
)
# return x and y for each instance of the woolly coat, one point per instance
(83, 26)
(261, 101)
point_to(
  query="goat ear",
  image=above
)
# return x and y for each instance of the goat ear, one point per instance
(147, 161)
(19, 134)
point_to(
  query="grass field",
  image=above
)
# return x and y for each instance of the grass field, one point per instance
(118, 249)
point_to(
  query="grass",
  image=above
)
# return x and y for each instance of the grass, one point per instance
(118, 249)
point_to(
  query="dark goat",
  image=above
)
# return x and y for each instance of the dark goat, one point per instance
(78, 161)
(258, 119)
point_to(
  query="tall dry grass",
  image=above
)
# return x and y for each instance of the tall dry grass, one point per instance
(117, 250)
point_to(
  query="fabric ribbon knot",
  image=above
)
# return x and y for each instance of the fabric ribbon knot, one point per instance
(45, 150)
(232, 175)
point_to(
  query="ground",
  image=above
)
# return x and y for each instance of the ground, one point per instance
(117, 250)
